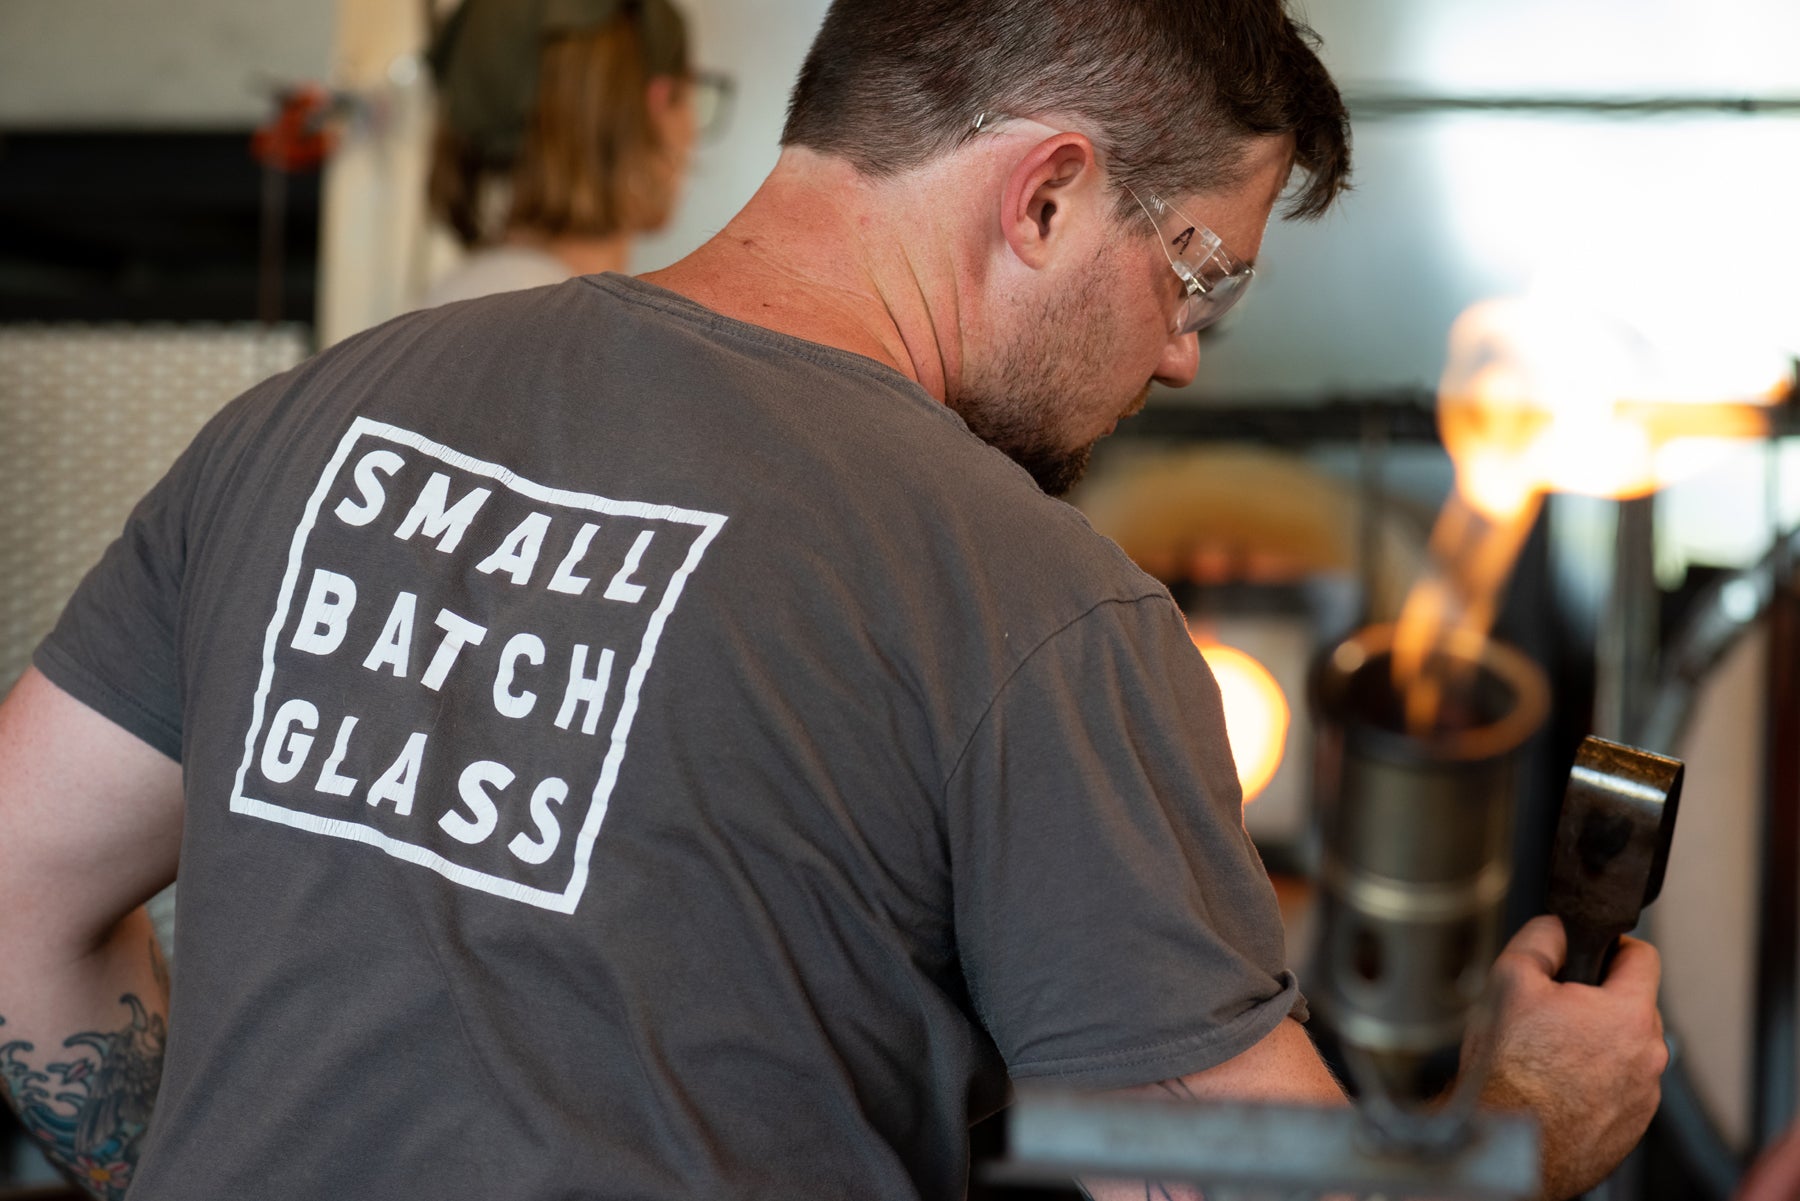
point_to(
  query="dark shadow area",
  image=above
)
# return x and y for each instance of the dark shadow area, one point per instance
(129, 226)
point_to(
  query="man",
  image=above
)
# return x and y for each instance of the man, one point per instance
(634, 741)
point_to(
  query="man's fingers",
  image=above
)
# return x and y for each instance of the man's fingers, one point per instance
(1636, 969)
(1542, 941)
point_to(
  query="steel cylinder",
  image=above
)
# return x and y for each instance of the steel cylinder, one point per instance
(1417, 849)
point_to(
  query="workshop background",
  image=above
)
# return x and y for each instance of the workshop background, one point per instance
(195, 194)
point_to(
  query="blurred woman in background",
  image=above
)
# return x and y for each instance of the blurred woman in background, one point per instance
(564, 131)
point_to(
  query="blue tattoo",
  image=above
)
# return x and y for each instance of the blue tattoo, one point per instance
(89, 1114)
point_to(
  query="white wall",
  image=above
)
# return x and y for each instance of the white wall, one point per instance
(154, 63)
(760, 44)
(1675, 220)
(375, 245)
(1583, 47)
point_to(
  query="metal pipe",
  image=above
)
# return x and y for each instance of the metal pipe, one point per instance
(1258, 1150)
(1372, 105)
(1628, 638)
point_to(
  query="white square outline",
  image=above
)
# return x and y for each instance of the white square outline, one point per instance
(565, 901)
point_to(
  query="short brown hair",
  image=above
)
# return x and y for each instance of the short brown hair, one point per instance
(1170, 89)
(591, 161)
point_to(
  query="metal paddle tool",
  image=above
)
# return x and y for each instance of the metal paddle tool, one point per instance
(1612, 846)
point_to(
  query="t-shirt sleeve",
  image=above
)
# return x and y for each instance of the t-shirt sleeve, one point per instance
(1114, 921)
(114, 647)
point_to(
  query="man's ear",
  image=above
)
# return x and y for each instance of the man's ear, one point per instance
(1039, 193)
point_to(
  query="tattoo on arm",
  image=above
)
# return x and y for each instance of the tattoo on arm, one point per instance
(89, 1114)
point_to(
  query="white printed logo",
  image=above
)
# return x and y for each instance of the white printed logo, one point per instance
(455, 660)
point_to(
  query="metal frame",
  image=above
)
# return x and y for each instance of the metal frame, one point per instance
(1712, 629)
(1274, 1151)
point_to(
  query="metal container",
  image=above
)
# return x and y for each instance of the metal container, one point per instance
(1417, 851)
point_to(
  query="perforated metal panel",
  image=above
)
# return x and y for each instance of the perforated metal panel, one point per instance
(90, 418)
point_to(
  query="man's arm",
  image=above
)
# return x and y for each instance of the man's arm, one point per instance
(90, 827)
(1586, 1062)
(1283, 1066)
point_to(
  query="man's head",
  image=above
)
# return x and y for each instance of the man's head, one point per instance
(1202, 105)
(1169, 89)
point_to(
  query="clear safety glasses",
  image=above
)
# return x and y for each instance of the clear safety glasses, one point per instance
(1212, 279)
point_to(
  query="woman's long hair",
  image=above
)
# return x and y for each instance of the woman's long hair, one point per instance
(592, 162)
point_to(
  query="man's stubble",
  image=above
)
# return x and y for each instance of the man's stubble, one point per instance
(1024, 398)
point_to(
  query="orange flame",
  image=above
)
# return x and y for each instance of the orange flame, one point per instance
(1256, 714)
(1538, 398)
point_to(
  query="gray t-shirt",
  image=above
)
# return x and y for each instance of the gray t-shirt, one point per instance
(633, 754)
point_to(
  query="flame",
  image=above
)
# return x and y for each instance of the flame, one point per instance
(1536, 397)
(1540, 396)
(1472, 553)
(1256, 714)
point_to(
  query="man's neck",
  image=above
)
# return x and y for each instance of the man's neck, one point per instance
(825, 254)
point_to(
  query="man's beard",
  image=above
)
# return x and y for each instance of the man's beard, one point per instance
(1019, 402)
(1019, 425)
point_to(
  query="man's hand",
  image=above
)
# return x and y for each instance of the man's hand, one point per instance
(1587, 1061)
